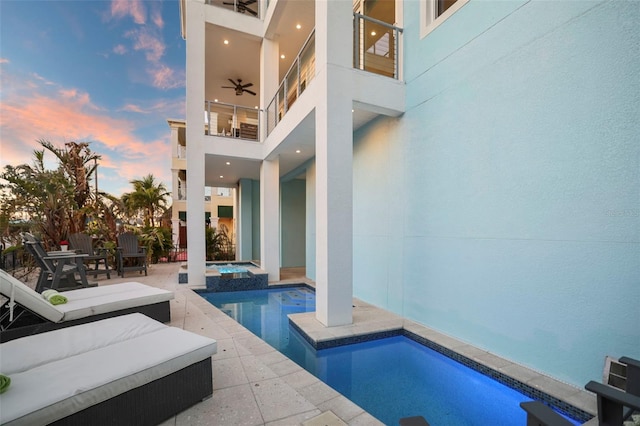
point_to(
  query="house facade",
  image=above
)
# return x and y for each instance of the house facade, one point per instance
(218, 202)
(470, 165)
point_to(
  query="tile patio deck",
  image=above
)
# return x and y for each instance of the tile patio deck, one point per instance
(256, 385)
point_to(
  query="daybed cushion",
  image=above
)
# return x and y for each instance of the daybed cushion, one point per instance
(28, 298)
(58, 373)
(98, 300)
(84, 302)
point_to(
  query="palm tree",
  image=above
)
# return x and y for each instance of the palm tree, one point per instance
(148, 196)
(78, 164)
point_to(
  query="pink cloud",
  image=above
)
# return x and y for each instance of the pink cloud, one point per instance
(133, 108)
(156, 14)
(164, 77)
(120, 49)
(4, 61)
(30, 112)
(133, 8)
(143, 40)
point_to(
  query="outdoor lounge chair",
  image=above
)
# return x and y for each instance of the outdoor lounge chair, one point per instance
(32, 314)
(57, 269)
(131, 257)
(127, 370)
(83, 244)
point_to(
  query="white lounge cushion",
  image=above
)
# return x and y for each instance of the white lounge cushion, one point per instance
(29, 298)
(83, 302)
(29, 352)
(90, 301)
(102, 363)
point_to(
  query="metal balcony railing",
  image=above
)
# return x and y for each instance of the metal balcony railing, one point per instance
(375, 46)
(246, 7)
(302, 71)
(232, 121)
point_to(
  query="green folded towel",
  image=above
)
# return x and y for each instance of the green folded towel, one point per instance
(4, 383)
(54, 297)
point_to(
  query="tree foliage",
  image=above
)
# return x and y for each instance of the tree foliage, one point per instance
(148, 197)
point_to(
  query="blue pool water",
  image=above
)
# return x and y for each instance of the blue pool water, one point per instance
(390, 378)
(229, 268)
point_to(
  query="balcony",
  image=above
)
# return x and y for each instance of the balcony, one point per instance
(231, 121)
(296, 80)
(375, 46)
(246, 7)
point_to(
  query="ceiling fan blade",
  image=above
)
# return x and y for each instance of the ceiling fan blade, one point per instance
(254, 13)
(247, 85)
(249, 91)
(248, 2)
(227, 87)
(233, 82)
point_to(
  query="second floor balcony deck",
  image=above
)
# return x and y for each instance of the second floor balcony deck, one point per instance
(376, 50)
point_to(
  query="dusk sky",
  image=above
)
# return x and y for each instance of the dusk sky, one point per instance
(105, 72)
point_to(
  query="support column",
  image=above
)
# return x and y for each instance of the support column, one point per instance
(334, 163)
(195, 142)
(270, 218)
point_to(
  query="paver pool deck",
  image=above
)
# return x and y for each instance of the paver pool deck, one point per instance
(254, 384)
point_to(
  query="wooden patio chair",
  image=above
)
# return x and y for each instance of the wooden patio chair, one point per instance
(131, 257)
(57, 269)
(83, 244)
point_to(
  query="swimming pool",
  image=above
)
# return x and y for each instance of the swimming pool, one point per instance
(390, 378)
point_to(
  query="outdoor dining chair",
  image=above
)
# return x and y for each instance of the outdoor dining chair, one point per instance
(83, 244)
(131, 257)
(57, 269)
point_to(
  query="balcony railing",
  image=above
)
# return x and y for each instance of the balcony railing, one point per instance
(232, 121)
(375, 46)
(246, 7)
(302, 71)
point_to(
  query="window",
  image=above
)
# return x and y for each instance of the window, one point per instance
(225, 211)
(435, 12)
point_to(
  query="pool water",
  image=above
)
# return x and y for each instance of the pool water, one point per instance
(390, 378)
(229, 268)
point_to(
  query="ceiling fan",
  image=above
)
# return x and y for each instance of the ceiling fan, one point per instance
(242, 6)
(239, 87)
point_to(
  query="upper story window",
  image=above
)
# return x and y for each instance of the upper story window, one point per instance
(435, 12)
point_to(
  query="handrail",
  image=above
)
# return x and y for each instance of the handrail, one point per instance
(375, 52)
(243, 122)
(283, 99)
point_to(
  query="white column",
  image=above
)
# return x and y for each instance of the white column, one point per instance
(195, 142)
(270, 218)
(334, 161)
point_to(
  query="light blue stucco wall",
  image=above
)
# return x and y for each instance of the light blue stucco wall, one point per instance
(292, 223)
(310, 232)
(503, 208)
(255, 222)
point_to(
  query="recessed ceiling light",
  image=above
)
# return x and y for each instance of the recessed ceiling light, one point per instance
(298, 26)
(297, 151)
(281, 56)
(228, 163)
(215, 100)
(221, 176)
(256, 107)
(226, 42)
(351, 110)
(373, 33)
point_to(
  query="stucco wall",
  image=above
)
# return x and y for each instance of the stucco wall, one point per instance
(503, 208)
(292, 223)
